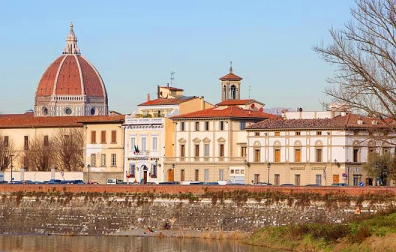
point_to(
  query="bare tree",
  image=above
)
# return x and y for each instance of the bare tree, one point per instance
(364, 53)
(6, 149)
(39, 156)
(68, 146)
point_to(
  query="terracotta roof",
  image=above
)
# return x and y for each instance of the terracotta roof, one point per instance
(59, 121)
(225, 112)
(231, 77)
(26, 114)
(71, 74)
(348, 121)
(164, 101)
(237, 102)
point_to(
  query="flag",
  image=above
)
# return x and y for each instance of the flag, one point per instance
(136, 149)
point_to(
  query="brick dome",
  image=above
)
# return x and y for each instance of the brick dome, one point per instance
(71, 85)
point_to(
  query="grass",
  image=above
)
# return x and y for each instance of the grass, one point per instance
(357, 235)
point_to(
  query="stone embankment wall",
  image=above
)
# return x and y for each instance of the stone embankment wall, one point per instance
(102, 209)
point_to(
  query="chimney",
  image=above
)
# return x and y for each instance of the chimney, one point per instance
(148, 97)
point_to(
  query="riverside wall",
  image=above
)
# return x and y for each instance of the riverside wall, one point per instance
(106, 209)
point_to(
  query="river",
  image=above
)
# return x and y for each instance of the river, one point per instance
(41, 243)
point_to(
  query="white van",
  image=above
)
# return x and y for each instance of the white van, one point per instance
(111, 181)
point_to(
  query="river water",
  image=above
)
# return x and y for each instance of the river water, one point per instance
(40, 243)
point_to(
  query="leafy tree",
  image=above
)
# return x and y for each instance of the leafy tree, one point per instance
(380, 167)
(364, 53)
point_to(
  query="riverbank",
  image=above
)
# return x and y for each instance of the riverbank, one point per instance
(182, 233)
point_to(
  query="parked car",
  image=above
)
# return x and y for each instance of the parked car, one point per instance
(54, 181)
(312, 185)
(287, 185)
(339, 184)
(169, 183)
(263, 184)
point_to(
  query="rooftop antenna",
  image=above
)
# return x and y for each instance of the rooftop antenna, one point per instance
(172, 78)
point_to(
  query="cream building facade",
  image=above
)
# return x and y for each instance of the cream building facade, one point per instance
(149, 135)
(210, 145)
(313, 148)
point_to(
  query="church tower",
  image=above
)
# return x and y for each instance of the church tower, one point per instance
(230, 86)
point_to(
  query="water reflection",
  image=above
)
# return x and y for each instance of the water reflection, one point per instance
(117, 244)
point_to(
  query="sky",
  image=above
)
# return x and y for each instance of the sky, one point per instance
(135, 45)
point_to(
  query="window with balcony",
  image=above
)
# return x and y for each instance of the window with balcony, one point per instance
(182, 152)
(196, 154)
(221, 152)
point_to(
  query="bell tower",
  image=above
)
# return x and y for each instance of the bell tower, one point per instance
(230, 86)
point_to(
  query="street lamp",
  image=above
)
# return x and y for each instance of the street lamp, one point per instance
(269, 167)
(88, 166)
(12, 167)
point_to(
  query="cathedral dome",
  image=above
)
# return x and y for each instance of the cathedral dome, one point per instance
(71, 85)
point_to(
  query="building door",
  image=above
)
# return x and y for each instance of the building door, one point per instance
(256, 178)
(276, 179)
(297, 179)
(336, 178)
(145, 176)
(171, 175)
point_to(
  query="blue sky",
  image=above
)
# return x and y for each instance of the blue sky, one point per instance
(136, 44)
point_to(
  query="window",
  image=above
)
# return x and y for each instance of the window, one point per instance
(133, 143)
(103, 160)
(297, 155)
(277, 155)
(196, 126)
(318, 179)
(196, 151)
(153, 170)
(46, 142)
(25, 161)
(103, 137)
(93, 136)
(182, 128)
(221, 152)
(206, 175)
(182, 151)
(143, 144)
(113, 136)
(132, 170)
(257, 133)
(298, 133)
(297, 179)
(196, 177)
(319, 133)
(355, 155)
(243, 151)
(206, 126)
(155, 143)
(318, 157)
(26, 143)
(206, 150)
(182, 175)
(257, 155)
(277, 133)
(242, 125)
(93, 160)
(221, 125)
(221, 174)
(6, 141)
(113, 159)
